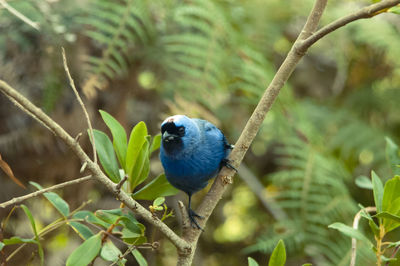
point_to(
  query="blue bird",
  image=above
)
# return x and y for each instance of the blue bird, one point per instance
(192, 152)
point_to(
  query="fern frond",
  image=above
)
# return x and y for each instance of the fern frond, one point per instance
(314, 195)
(116, 27)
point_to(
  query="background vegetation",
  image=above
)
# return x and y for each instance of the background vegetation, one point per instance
(144, 60)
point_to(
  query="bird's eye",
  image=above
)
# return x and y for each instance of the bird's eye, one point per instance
(181, 131)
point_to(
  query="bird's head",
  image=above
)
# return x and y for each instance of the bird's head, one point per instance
(178, 132)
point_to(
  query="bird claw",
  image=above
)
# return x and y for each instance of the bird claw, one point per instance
(227, 163)
(192, 218)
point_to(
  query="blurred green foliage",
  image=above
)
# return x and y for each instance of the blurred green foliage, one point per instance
(214, 59)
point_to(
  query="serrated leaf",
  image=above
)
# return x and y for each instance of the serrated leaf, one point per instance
(349, 231)
(82, 230)
(378, 191)
(158, 187)
(59, 203)
(364, 182)
(139, 257)
(251, 262)
(136, 141)
(119, 136)
(106, 155)
(86, 252)
(393, 155)
(278, 256)
(33, 225)
(110, 252)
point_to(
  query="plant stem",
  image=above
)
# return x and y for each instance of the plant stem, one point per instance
(379, 251)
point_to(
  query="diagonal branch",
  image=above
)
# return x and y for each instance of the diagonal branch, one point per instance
(182, 246)
(42, 191)
(19, 15)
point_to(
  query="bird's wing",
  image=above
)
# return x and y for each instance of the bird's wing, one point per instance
(212, 132)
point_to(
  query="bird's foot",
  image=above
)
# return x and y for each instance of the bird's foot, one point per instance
(192, 218)
(227, 163)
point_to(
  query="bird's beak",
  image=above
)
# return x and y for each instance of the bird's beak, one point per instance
(168, 137)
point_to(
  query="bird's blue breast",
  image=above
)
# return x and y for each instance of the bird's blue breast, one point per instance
(190, 168)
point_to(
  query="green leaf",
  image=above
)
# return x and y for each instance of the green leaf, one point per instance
(110, 252)
(119, 136)
(136, 140)
(374, 228)
(251, 262)
(1, 246)
(91, 218)
(155, 144)
(86, 252)
(59, 203)
(129, 221)
(393, 154)
(158, 187)
(158, 201)
(390, 221)
(106, 154)
(391, 192)
(307, 264)
(349, 231)
(278, 256)
(107, 216)
(378, 191)
(141, 168)
(139, 257)
(82, 230)
(395, 9)
(394, 244)
(18, 240)
(387, 215)
(33, 225)
(364, 182)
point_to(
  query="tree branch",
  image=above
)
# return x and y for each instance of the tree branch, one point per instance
(355, 226)
(306, 38)
(40, 192)
(27, 106)
(366, 12)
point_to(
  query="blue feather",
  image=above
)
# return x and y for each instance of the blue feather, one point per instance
(192, 152)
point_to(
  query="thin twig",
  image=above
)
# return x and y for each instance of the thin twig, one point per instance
(72, 83)
(16, 13)
(355, 226)
(40, 192)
